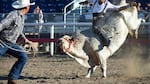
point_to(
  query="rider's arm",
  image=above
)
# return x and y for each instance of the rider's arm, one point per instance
(119, 7)
(111, 6)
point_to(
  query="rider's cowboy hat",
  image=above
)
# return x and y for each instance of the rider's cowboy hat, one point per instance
(21, 4)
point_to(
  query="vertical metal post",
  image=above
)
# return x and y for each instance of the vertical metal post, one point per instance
(65, 18)
(65, 12)
(74, 21)
(80, 9)
(52, 43)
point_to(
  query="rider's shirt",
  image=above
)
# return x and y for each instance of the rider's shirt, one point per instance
(98, 8)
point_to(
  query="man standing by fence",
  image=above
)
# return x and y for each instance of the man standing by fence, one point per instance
(38, 16)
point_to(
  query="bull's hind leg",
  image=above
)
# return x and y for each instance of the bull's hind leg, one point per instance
(104, 68)
(90, 71)
(103, 55)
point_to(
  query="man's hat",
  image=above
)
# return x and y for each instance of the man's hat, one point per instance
(21, 4)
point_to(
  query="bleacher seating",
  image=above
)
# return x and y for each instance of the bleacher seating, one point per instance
(48, 6)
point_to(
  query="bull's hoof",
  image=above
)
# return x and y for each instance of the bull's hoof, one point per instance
(87, 76)
(103, 77)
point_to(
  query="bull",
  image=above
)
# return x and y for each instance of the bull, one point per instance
(85, 47)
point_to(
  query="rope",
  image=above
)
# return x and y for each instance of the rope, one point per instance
(5, 45)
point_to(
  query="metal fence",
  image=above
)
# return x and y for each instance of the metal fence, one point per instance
(55, 30)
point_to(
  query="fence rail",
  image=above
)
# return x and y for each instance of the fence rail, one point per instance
(69, 24)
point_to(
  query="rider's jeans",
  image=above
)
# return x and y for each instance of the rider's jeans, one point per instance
(19, 64)
(98, 16)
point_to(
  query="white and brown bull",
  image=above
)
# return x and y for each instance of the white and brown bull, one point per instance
(85, 46)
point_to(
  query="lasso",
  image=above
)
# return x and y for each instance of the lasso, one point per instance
(5, 45)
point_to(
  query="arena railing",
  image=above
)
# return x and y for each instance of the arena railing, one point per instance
(54, 27)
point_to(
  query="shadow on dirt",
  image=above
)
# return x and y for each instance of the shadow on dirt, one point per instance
(24, 77)
(3, 77)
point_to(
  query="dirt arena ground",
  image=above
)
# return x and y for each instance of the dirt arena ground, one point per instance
(129, 66)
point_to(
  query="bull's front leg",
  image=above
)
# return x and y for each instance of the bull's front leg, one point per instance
(90, 71)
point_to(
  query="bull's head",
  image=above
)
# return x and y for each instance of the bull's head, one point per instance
(64, 43)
